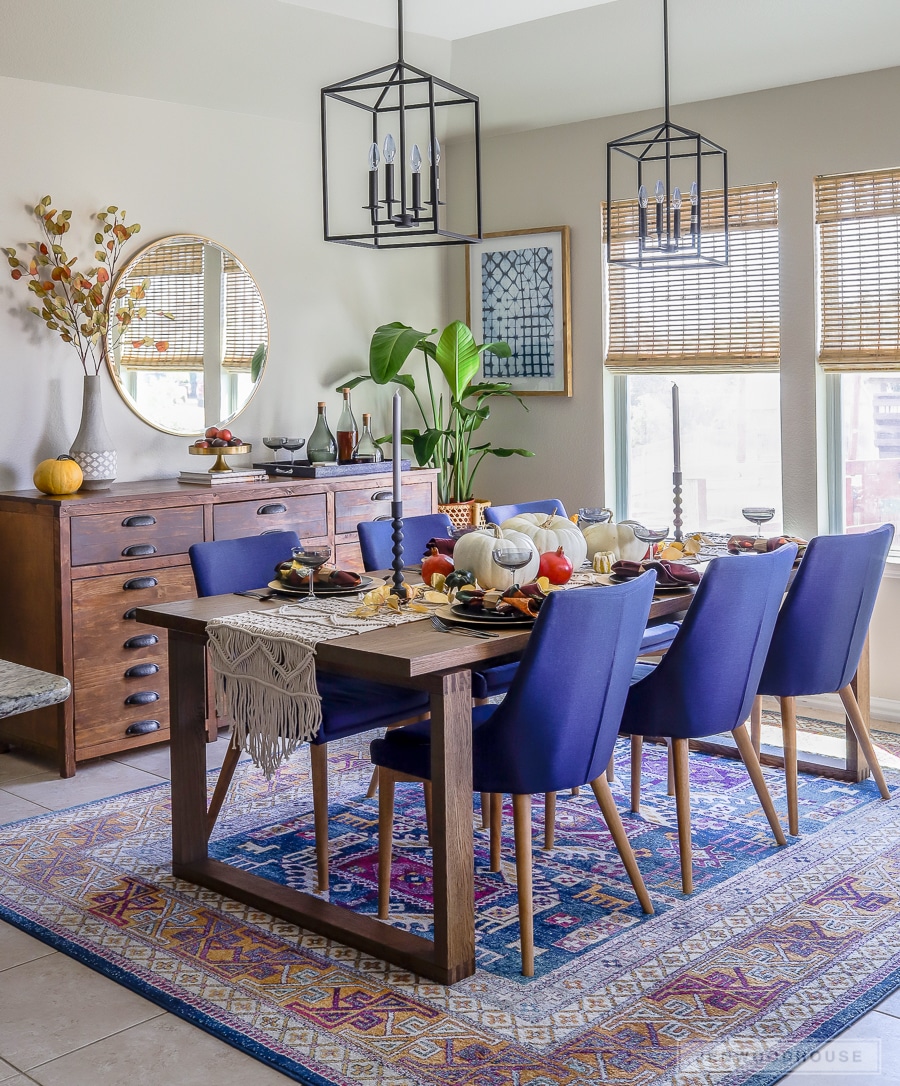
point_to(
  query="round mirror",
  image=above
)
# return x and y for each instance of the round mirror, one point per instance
(196, 356)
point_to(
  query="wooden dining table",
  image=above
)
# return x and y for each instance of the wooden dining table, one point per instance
(413, 655)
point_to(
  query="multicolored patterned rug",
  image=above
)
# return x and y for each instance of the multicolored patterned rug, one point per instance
(777, 951)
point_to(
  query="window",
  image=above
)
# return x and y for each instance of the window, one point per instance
(858, 222)
(716, 333)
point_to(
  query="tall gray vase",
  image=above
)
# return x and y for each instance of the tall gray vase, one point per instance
(92, 447)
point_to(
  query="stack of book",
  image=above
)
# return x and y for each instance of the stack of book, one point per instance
(222, 478)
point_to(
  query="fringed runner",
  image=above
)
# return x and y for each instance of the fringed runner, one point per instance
(265, 672)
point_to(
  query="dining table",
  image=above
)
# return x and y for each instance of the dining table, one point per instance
(414, 655)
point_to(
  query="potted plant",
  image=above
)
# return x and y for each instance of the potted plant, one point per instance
(451, 418)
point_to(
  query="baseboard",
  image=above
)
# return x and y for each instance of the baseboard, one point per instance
(880, 708)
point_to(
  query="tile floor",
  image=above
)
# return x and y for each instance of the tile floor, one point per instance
(61, 1024)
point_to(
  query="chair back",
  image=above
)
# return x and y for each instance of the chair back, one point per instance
(558, 724)
(377, 544)
(706, 682)
(235, 565)
(822, 627)
(497, 514)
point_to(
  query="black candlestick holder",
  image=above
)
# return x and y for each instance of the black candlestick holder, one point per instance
(676, 484)
(399, 589)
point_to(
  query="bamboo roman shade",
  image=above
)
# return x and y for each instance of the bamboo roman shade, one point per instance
(722, 320)
(858, 217)
(246, 326)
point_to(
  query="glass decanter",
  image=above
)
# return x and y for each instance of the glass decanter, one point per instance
(321, 447)
(367, 450)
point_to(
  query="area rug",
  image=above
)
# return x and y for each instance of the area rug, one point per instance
(777, 950)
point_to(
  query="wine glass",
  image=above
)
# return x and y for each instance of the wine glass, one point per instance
(758, 515)
(311, 558)
(511, 558)
(292, 444)
(274, 443)
(650, 536)
(587, 517)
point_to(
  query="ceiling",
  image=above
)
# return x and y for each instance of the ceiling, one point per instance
(448, 19)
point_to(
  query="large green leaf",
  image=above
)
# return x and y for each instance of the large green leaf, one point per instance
(391, 345)
(352, 383)
(510, 452)
(406, 380)
(256, 362)
(457, 357)
(501, 349)
(425, 444)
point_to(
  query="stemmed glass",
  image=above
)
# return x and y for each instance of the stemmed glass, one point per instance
(511, 558)
(311, 558)
(758, 515)
(587, 517)
(292, 444)
(650, 536)
(274, 443)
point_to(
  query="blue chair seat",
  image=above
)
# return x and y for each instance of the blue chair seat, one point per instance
(351, 706)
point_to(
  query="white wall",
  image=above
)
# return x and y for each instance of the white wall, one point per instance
(204, 119)
(556, 176)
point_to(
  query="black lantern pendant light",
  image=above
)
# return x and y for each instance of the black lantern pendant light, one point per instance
(656, 183)
(386, 150)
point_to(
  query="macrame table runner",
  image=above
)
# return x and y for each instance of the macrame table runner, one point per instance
(265, 671)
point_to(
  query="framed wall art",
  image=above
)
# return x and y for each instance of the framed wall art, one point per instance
(518, 291)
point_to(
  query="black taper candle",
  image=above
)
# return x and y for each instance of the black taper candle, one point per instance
(399, 589)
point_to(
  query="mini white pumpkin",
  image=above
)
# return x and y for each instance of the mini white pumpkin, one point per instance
(549, 532)
(618, 538)
(474, 551)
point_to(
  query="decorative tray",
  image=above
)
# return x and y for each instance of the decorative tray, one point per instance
(303, 469)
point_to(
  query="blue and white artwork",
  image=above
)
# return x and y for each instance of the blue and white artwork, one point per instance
(516, 292)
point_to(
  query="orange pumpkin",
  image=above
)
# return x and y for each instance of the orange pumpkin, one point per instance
(59, 476)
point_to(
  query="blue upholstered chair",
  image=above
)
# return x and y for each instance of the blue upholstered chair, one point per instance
(496, 514)
(376, 539)
(819, 638)
(556, 728)
(349, 706)
(706, 682)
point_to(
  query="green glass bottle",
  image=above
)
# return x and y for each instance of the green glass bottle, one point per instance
(321, 447)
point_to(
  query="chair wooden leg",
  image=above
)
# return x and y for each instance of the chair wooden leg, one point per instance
(522, 830)
(576, 791)
(678, 760)
(426, 789)
(670, 785)
(637, 752)
(851, 707)
(611, 770)
(496, 819)
(549, 820)
(610, 813)
(756, 724)
(318, 756)
(373, 783)
(223, 781)
(789, 740)
(485, 810)
(745, 747)
(385, 840)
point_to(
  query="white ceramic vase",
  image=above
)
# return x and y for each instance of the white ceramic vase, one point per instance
(92, 447)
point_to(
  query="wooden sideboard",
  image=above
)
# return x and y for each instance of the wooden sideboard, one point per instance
(74, 568)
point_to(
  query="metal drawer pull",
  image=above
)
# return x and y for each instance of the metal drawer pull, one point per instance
(142, 727)
(142, 641)
(139, 550)
(144, 520)
(141, 582)
(142, 697)
(268, 510)
(130, 613)
(141, 671)
(382, 496)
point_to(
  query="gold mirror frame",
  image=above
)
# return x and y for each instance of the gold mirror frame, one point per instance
(205, 345)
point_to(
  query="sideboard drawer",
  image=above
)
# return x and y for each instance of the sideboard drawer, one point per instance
(372, 502)
(305, 514)
(116, 537)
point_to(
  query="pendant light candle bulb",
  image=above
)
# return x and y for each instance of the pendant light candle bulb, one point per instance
(390, 149)
(415, 159)
(643, 198)
(676, 199)
(660, 189)
(436, 156)
(694, 193)
(374, 157)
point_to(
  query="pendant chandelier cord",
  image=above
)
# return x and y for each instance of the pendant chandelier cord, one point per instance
(665, 51)
(400, 31)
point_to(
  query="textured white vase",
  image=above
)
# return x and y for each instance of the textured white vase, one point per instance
(92, 447)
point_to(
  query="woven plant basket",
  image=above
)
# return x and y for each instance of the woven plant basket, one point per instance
(465, 514)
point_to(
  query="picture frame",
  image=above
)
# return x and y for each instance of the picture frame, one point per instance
(518, 290)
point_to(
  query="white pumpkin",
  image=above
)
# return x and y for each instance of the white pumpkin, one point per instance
(618, 538)
(475, 551)
(549, 532)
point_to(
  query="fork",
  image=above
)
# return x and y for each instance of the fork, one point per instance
(442, 627)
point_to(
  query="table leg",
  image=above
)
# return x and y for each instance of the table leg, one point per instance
(451, 770)
(187, 709)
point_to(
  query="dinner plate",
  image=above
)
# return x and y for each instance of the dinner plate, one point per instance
(338, 590)
(462, 615)
(670, 589)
